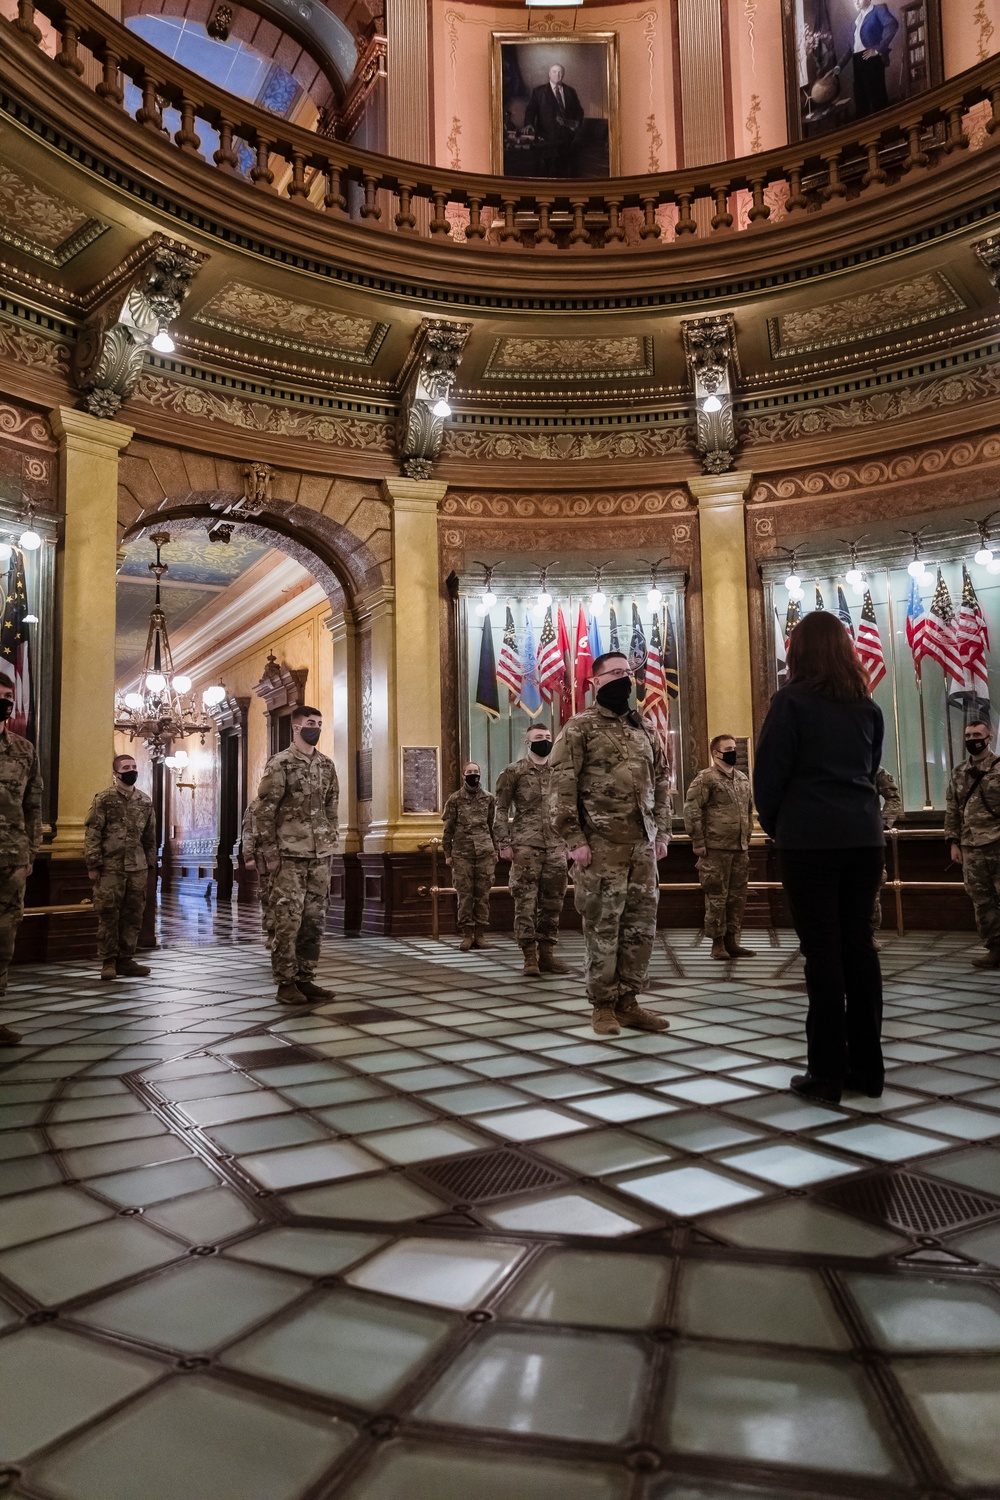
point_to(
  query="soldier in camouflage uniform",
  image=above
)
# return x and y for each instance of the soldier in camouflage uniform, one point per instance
(538, 873)
(20, 833)
(297, 807)
(119, 846)
(892, 806)
(254, 859)
(470, 848)
(972, 823)
(610, 801)
(717, 815)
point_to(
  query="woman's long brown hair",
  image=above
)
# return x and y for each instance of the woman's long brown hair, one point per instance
(821, 657)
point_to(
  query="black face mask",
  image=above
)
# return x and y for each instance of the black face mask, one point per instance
(729, 757)
(6, 709)
(541, 747)
(615, 695)
(472, 782)
(310, 736)
(128, 778)
(975, 747)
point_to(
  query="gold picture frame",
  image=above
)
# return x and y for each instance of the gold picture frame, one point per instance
(576, 147)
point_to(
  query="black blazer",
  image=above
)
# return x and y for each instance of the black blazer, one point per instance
(543, 112)
(814, 772)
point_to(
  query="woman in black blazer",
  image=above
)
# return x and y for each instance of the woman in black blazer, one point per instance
(814, 786)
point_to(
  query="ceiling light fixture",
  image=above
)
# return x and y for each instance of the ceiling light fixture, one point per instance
(163, 343)
(711, 403)
(441, 408)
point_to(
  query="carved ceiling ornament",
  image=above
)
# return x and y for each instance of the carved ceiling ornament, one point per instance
(713, 369)
(567, 447)
(988, 251)
(865, 315)
(569, 358)
(462, 503)
(432, 370)
(936, 461)
(112, 345)
(253, 312)
(41, 222)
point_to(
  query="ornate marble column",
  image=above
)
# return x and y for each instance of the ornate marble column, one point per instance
(725, 602)
(346, 897)
(88, 452)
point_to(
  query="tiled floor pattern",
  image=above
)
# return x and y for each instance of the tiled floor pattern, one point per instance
(229, 1271)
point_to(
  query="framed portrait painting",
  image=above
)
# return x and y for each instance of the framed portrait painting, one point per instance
(847, 59)
(555, 105)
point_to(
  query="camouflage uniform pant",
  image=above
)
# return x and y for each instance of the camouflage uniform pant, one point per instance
(981, 872)
(11, 910)
(299, 893)
(473, 875)
(724, 874)
(617, 895)
(538, 879)
(264, 896)
(120, 899)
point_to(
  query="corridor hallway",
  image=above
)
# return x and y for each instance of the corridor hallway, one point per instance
(435, 1240)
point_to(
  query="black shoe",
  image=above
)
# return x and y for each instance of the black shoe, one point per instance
(855, 1085)
(815, 1088)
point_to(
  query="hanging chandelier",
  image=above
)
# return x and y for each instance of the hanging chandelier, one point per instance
(163, 707)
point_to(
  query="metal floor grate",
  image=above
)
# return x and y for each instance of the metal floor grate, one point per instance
(916, 1205)
(270, 1057)
(490, 1174)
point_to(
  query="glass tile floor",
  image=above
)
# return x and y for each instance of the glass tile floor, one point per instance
(433, 1240)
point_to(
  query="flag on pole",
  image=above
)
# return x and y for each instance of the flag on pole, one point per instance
(550, 665)
(596, 649)
(15, 649)
(973, 640)
(941, 637)
(843, 611)
(613, 629)
(819, 598)
(671, 660)
(565, 686)
(487, 693)
(916, 626)
(869, 644)
(637, 656)
(509, 670)
(583, 662)
(531, 698)
(655, 707)
(793, 615)
(780, 649)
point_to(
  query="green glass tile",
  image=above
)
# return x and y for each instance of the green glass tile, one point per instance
(602, 1151)
(203, 1218)
(456, 1273)
(37, 1215)
(312, 1095)
(466, 1101)
(311, 1252)
(20, 1143)
(407, 1471)
(98, 1132)
(593, 1290)
(915, 1315)
(263, 1135)
(67, 1265)
(27, 1172)
(767, 1304)
(383, 1199)
(297, 1165)
(118, 1156)
(958, 1404)
(423, 1142)
(377, 1114)
(562, 1085)
(154, 1184)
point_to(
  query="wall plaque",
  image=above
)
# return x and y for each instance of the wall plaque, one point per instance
(364, 775)
(420, 779)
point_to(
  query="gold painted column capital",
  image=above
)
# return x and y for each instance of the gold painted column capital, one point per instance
(413, 494)
(78, 429)
(720, 489)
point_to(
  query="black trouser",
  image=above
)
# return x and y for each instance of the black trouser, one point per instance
(870, 93)
(832, 893)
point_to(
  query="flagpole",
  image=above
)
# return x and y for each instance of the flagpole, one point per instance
(928, 805)
(489, 753)
(949, 743)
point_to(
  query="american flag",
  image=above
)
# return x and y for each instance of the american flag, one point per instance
(973, 640)
(793, 615)
(819, 598)
(656, 704)
(15, 650)
(941, 637)
(550, 662)
(869, 644)
(844, 612)
(509, 666)
(916, 626)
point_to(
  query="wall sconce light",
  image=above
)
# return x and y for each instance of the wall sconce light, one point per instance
(917, 569)
(655, 596)
(854, 577)
(985, 554)
(599, 598)
(488, 598)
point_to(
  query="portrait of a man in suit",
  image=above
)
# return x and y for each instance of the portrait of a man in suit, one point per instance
(556, 116)
(874, 30)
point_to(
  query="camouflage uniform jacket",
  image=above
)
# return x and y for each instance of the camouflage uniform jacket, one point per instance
(524, 819)
(250, 835)
(120, 831)
(297, 806)
(468, 823)
(972, 818)
(609, 777)
(717, 812)
(20, 800)
(892, 802)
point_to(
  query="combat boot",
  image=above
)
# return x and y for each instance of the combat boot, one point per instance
(719, 949)
(604, 1021)
(109, 969)
(129, 969)
(468, 940)
(313, 991)
(733, 948)
(988, 960)
(630, 1013)
(547, 961)
(290, 994)
(479, 938)
(531, 969)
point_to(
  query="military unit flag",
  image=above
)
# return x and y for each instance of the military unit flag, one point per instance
(613, 644)
(843, 611)
(487, 693)
(583, 661)
(671, 661)
(637, 656)
(793, 615)
(869, 644)
(15, 649)
(531, 697)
